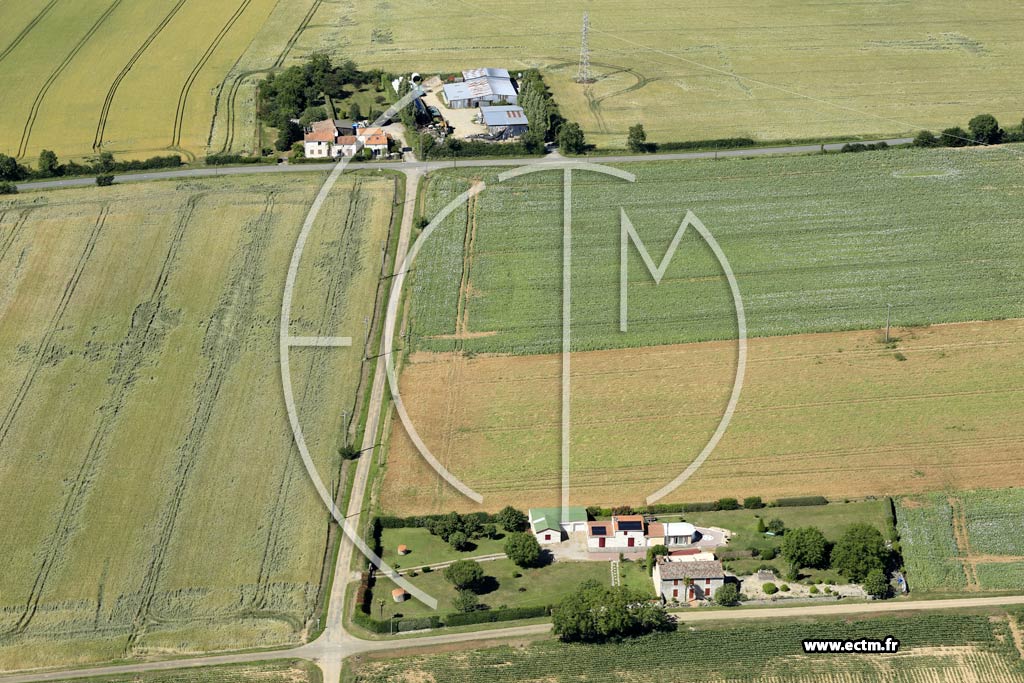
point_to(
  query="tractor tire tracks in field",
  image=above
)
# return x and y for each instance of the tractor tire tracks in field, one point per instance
(339, 269)
(19, 225)
(37, 103)
(223, 344)
(46, 342)
(101, 126)
(230, 108)
(42, 350)
(12, 274)
(148, 327)
(28, 29)
(186, 88)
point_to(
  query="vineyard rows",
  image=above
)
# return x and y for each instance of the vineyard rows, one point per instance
(972, 648)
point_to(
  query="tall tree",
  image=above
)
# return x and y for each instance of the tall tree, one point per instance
(570, 138)
(805, 547)
(860, 550)
(523, 549)
(595, 613)
(985, 130)
(10, 169)
(464, 574)
(511, 519)
(48, 164)
(637, 138)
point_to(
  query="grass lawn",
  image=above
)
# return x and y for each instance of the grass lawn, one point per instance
(635, 576)
(425, 548)
(832, 519)
(539, 586)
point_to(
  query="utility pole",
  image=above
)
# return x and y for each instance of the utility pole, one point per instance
(888, 317)
(583, 75)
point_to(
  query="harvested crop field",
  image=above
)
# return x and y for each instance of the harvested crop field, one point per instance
(703, 70)
(277, 671)
(159, 505)
(144, 77)
(837, 414)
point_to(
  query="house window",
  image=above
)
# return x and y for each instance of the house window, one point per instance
(707, 582)
(547, 537)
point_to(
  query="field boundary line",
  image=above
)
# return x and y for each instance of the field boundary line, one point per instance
(101, 125)
(26, 132)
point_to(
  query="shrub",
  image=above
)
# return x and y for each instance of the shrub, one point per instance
(464, 574)
(727, 504)
(488, 616)
(722, 143)
(926, 138)
(876, 584)
(570, 138)
(805, 547)
(652, 556)
(753, 503)
(801, 501)
(769, 588)
(523, 549)
(784, 588)
(769, 553)
(7, 187)
(104, 180)
(813, 590)
(597, 613)
(727, 595)
(426, 570)
(459, 541)
(636, 140)
(508, 517)
(777, 527)
(859, 551)
(985, 130)
(225, 159)
(466, 601)
(955, 137)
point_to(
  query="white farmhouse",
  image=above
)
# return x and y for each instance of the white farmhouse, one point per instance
(622, 532)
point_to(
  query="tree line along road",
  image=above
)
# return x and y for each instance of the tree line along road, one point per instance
(427, 166)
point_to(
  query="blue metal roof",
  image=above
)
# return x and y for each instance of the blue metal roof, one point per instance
(508, 115)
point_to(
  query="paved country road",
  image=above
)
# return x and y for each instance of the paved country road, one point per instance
(427, 166)
(319, 651)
